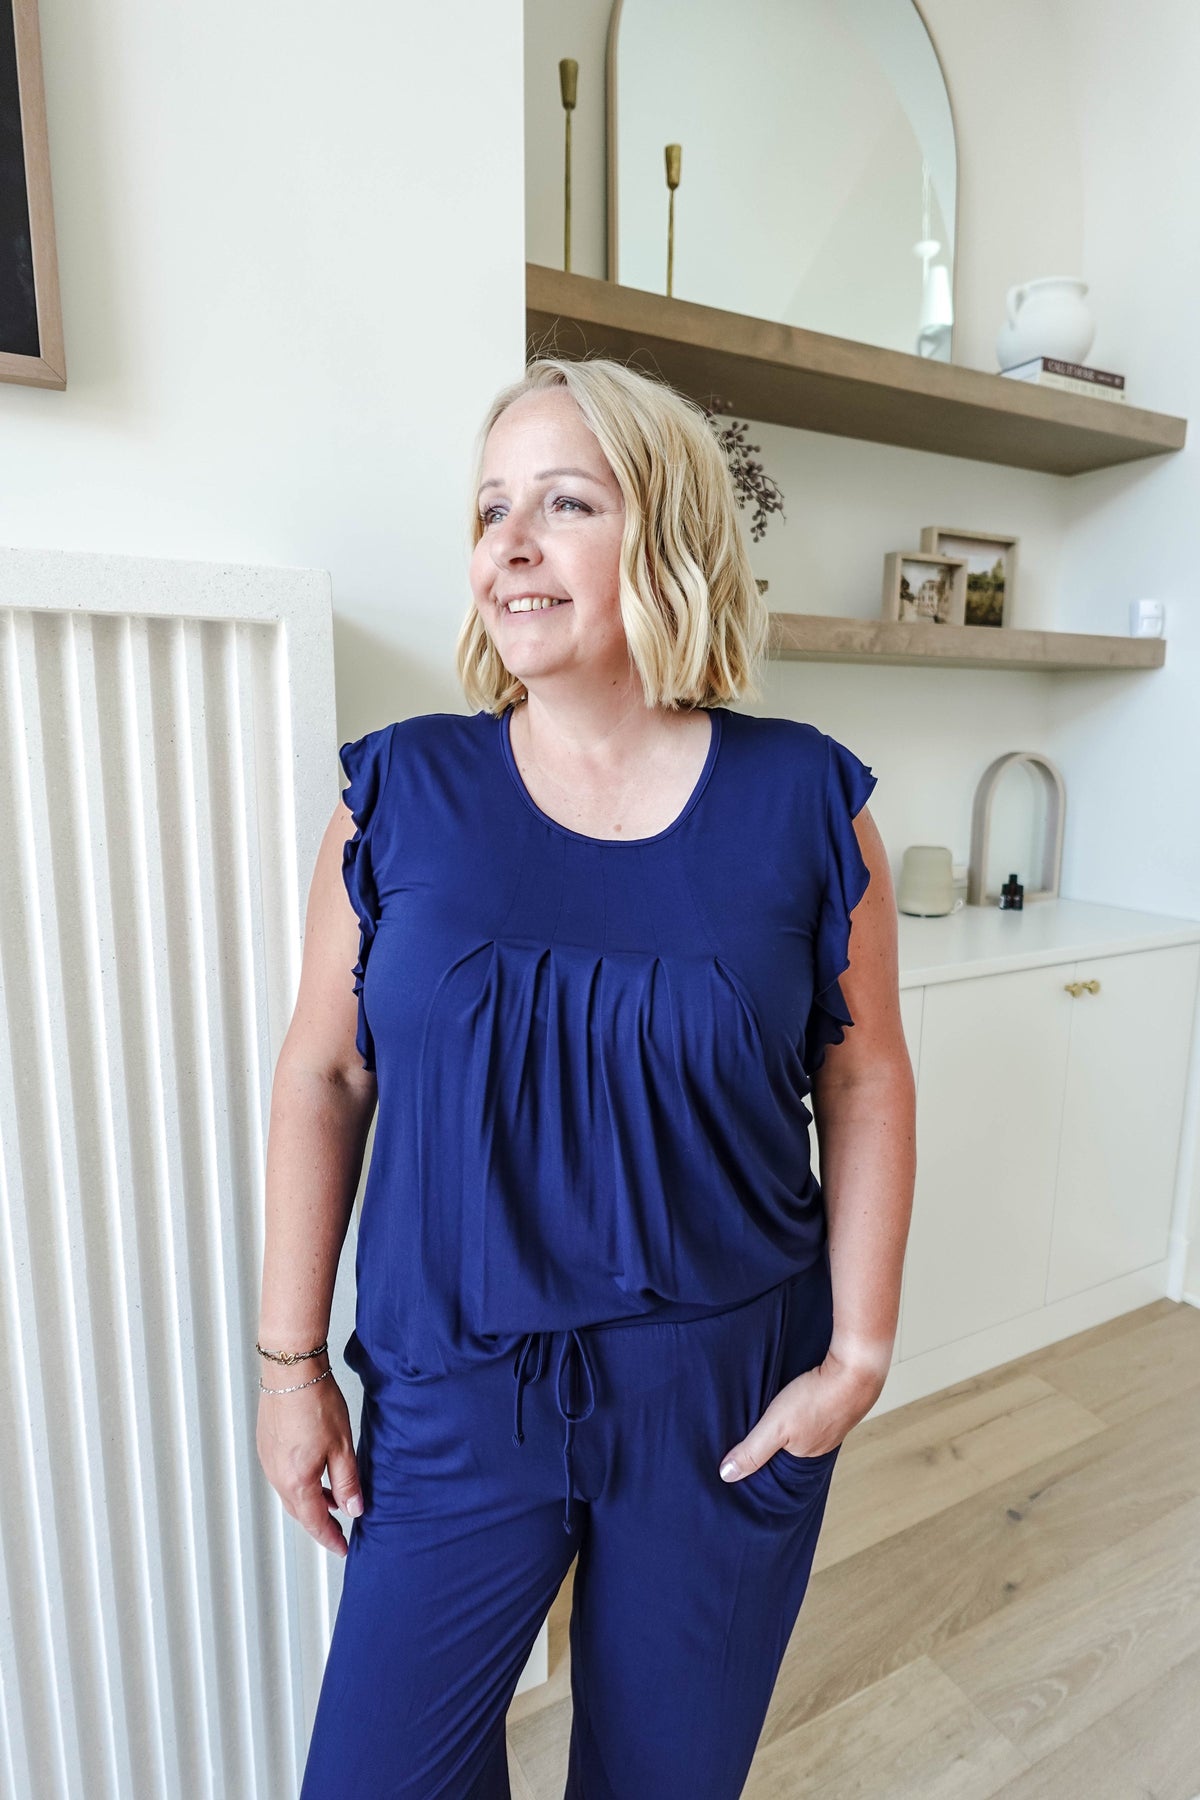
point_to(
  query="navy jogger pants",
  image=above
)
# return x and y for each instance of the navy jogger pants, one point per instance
(687, 1587)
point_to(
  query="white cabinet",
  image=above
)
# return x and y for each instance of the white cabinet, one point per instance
(912, 1006)
(1048, 1132)
(1122, 1114)
(989, 1107)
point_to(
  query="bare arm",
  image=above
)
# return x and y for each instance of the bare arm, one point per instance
(864, 1107)
(322, 1103)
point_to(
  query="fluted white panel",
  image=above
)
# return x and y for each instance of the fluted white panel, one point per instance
(166, 773)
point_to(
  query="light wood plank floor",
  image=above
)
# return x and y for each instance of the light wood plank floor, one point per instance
(1005, 1599)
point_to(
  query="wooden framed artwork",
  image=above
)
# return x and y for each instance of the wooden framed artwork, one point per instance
(991, 569)
(921, 587)
(31, 338)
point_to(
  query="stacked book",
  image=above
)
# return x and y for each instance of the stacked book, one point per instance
(1073, 378)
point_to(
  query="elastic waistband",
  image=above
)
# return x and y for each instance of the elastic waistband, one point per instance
(675, 1313)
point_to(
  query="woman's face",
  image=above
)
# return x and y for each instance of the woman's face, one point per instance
(553, 517)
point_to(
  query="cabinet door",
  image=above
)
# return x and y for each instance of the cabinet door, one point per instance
(990, 1087)
(912, 1003)
(1122, 1115)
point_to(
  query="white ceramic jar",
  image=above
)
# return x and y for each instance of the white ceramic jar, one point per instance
(1048, 317)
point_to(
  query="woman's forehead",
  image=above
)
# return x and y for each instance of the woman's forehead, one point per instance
(550, 417)
(552, 409)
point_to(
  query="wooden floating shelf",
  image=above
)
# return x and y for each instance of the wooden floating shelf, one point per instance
(783, 375)
(815, 637)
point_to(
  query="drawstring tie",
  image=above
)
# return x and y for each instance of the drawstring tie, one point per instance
(533, 1352)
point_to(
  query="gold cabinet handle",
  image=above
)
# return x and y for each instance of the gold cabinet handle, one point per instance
(1075, 988)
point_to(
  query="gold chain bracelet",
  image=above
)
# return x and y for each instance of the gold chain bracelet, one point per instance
(291, 1356)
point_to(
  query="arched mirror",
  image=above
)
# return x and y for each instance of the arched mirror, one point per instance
(817, 173)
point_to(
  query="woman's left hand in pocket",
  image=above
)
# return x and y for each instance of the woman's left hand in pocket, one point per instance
(809, 1416)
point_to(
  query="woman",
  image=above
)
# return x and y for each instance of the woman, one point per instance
(599, 927)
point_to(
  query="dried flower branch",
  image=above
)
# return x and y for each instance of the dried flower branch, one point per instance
(750, 480)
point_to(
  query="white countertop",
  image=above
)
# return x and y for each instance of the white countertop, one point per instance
(985, 940)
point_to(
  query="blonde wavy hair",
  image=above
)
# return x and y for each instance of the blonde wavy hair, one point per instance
(694, 620)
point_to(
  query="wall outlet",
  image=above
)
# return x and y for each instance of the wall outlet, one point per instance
(1147, 618)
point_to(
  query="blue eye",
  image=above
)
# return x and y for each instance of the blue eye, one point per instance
(561, 500)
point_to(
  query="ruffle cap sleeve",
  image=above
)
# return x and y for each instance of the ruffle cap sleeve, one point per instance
(363, 762)
(849, 784)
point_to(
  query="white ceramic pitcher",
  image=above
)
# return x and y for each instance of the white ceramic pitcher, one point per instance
(1046, 318)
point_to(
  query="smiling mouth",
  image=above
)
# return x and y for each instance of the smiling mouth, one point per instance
(522, 607)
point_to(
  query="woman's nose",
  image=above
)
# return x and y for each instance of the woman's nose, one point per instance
(512, 541)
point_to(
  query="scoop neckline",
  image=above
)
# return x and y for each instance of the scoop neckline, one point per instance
(581, 837)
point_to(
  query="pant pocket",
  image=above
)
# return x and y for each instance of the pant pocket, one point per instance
(801, 1481)
(800, 1465)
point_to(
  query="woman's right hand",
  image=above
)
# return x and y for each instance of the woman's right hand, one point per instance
(300, 1435)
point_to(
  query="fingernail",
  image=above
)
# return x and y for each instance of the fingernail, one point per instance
(729, 1470)
(354, 1506)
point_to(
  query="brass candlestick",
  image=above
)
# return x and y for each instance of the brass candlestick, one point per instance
(673, 155)
(568, 81)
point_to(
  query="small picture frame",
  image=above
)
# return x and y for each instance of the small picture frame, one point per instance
(991, 569)
(922, 587)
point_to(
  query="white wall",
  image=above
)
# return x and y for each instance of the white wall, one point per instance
(290, 246)
(1134, 746)
(1137, 533)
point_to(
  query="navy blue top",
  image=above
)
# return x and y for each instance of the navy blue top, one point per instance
(591, 1054)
